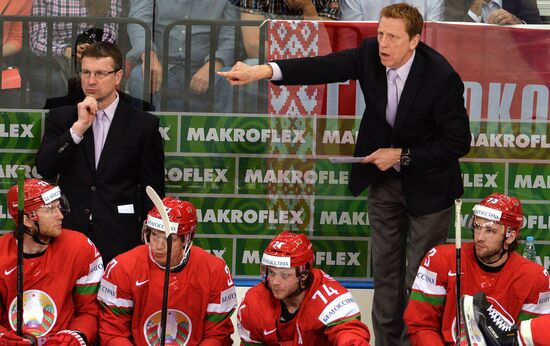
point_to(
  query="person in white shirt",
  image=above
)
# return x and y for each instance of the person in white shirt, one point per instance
(500, 12)
(369, 10)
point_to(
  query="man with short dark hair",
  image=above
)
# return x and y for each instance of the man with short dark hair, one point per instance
(296, 304)
(104, 153)
(61, 273)
(413, 131)
(517, 288)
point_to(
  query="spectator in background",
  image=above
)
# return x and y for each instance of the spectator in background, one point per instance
(11, 45)
(369, 10)
(502, 12)
(13, 31)
(182, 90)
(53, 71)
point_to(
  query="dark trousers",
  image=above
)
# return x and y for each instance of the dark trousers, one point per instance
(399, 242)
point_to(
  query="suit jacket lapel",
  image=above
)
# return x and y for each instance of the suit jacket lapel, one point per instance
(116, 133)
(381, 91)
(414, 82)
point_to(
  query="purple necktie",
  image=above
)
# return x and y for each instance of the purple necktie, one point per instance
(100, 133)
(391, 107)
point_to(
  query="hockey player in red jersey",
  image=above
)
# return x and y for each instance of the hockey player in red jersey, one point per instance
(517, 288)
(61, 274)
(201, 293)
(297, 304)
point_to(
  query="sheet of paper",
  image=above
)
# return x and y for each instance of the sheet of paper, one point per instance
(345, 159)
(126, 209)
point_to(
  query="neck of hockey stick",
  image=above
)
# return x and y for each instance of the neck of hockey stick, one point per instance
(164, 311)
(19, 235)
(458, 321)
(458, 245)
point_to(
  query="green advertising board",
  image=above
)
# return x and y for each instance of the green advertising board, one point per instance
(253, 176)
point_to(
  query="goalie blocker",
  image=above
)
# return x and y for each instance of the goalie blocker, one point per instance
(484, 328)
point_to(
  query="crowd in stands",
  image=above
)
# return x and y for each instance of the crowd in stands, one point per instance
(41, 58)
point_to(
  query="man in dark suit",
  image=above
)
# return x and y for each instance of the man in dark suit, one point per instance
(413, 131)
(501, 12)
(104, 153)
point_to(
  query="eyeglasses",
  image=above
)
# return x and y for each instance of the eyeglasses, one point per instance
(97, 74)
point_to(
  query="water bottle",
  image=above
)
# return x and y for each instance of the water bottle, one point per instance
(529, 250)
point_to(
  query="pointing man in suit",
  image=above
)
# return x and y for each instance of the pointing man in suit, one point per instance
(104, 153)
(413, 131)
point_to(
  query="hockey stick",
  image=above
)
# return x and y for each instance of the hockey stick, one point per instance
(458, 245)
(166, 222)
(20, 231)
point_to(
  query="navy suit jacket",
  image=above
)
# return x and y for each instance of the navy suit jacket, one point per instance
(526, 10)
(109, 203)
(431, 119)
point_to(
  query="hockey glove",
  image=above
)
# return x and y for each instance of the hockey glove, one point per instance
(12, 339)
(65, 338)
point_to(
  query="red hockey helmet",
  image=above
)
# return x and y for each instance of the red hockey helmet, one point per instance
(37, 193)
(501, 208)
(182, 216)
(183, 221)
(288, 250)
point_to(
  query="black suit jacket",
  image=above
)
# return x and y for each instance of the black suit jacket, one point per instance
(431, 119)
(102, 199)
(526, 10)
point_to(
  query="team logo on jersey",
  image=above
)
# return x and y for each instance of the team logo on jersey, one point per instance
(39, 313)
(178, 328)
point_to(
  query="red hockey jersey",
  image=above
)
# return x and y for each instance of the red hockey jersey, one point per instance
(328, 315)
(60, 286)
(201, 299)
(519, 290)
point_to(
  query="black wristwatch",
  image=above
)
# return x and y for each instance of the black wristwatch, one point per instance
(405, 158)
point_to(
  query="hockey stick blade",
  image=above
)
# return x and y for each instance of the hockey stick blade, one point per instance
(160, 207)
